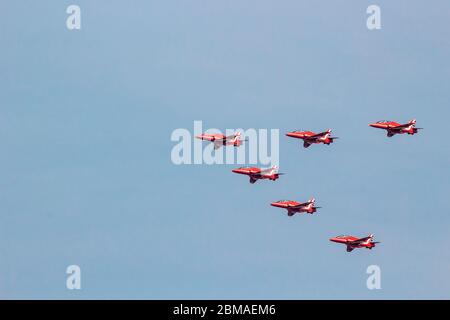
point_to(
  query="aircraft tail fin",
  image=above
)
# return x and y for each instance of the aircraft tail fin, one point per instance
(236, 136)
(369, 238)
(328, 135)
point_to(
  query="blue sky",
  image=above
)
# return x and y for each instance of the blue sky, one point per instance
(86, 176)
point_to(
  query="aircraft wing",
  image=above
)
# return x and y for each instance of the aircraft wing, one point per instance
(221, 139)
(318, 135)
(401, 126)
(300, 205)
(217, 144)
(359, 241)
(230, 137)
(268, 170)
(254, 175)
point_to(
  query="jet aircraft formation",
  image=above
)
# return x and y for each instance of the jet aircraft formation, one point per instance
(255, 173)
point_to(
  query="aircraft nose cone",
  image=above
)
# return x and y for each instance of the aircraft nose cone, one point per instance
(275, 204)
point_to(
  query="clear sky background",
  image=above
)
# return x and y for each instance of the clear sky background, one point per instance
(86, 176)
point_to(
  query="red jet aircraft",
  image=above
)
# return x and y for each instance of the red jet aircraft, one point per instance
(294, 207)
(309, 137)
(258, 173)
(394, 128)
(221, 140)
(353, 242)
